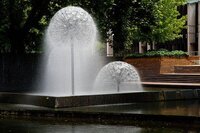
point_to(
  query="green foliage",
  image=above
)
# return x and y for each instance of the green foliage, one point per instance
(163, 22)
(4, 26)
(169, 24)
(159, 53)
(143, 20)
(23, 22)
(19, 24)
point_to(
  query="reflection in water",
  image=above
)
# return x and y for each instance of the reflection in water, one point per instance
(17, 126)
(21, 126)
(178, 108)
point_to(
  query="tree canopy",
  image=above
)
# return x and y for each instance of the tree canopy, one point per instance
(164, 24)
(23, 22)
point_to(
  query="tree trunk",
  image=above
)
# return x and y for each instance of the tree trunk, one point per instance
(15, 33)
(151, 45)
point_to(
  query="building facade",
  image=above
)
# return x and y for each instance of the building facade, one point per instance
(190, 42)
(193, 27)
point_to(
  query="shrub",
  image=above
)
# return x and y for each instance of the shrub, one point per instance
(158, 53)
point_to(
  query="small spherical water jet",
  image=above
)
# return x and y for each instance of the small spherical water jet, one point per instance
(118, 77)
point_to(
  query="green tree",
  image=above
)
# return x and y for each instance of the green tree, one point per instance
(19, 18)
(141, 21)
(23, 22)
(119, 17)
(122, 18)
(167, 24)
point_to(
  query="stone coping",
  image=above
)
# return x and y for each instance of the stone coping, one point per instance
(171, 84)
(190, 74)
(102, 99)
(188, 65)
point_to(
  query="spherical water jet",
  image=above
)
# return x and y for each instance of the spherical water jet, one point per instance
(70, 24)
(70, 62)
(117, 77)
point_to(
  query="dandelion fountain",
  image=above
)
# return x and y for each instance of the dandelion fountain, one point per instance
(72, 59)
(74, 74)
(118, 77)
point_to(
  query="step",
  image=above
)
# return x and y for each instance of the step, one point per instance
(187, 69)
(173, 77)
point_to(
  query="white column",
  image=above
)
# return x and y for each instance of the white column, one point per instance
(140, 47)
(198, 28)
(148, 47)
(109, 49)
(191, 11)
(143, 47)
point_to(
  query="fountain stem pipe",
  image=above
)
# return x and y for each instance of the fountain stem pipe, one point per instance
(72, 65)
(118, 89)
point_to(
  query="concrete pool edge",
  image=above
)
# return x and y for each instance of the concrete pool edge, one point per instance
(87, 100)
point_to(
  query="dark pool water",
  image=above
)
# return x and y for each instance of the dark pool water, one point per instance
(34, 126)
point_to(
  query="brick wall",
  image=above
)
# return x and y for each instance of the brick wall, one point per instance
(167, 63)
(152, 67)
(146, 66)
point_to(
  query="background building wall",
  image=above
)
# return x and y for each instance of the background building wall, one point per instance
(191, 28)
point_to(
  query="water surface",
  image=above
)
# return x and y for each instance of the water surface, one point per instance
(34, 126)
